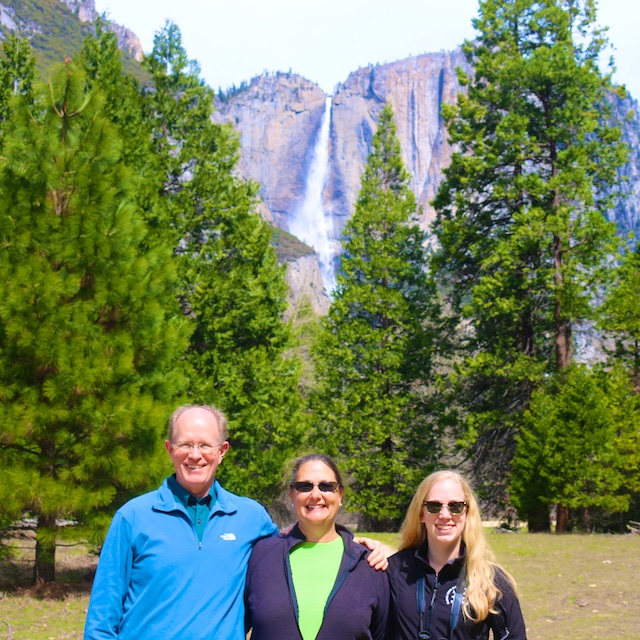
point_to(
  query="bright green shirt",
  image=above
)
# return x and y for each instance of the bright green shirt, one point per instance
(314, 568)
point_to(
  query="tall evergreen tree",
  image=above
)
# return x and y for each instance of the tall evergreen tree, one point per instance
(125, 106)
(89, 336)
(375, 352)
(232, 288)
(620, 317)
(520, 214)
(580, 446)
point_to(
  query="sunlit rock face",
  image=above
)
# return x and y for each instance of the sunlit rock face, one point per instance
(416, 88)
(306, 286)
(278, 117)
(127, 40)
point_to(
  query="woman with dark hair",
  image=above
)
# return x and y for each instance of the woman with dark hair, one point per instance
(445, 582)
(314, 583)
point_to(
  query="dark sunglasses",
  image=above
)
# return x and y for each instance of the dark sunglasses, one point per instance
(307, 487)
(455, 508)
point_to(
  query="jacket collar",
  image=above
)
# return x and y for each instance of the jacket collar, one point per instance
(352, 549)
(455, 565)
(166, 501)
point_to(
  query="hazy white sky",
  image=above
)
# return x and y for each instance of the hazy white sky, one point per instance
(325, 40)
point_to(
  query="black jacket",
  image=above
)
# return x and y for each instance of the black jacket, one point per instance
(406, 566)
(357, 606)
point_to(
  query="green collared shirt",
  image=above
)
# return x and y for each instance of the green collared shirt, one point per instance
(197, 508)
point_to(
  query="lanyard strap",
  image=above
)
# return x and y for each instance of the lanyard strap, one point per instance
(421, 602)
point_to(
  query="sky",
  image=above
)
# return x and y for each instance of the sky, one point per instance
(325, 40)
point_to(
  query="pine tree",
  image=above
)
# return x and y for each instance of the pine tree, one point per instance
(231, 286)
(88, 339)
(125, 107)
(580, 446)
(620, 317)
(524, 242)
(375, 352)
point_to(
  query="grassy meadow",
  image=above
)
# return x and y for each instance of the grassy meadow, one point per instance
(573, 587)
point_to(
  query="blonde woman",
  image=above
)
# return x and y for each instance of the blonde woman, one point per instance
(445, 582)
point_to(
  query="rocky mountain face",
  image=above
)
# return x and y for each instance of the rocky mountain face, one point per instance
(627, 212)
(417, 88)
(12, 19)
(279, 119)
(127, 40)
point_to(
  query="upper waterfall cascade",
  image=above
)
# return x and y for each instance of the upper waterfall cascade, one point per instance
(310, 221)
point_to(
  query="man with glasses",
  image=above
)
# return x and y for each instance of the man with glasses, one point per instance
(174, 562)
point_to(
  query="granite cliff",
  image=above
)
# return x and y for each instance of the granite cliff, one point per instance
(127, 40)
(279, 119)
(33, 20)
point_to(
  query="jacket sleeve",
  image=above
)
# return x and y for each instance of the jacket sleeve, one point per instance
(511, 614)
(111, 583)
(380, 615)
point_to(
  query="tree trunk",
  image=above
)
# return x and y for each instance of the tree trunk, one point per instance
(562, 519)
(538, 520)
(563, 329)
(44, 569)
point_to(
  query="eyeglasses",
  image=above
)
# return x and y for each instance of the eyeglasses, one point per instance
(307, 487)
(205, 447)
(455, 508)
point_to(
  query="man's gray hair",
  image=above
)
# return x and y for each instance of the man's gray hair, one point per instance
(218, 414)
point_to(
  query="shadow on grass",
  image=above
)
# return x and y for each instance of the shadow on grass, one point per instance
(74, 574)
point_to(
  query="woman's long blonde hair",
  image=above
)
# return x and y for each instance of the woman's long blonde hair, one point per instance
(479, 570)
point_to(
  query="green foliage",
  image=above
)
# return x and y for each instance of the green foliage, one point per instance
(17, 72)
(231, 92)
(55, 33)
(89, 338)
(620, 316)
(287, 246)
(232, 287)
(580, 445)
(374, 354)
(125, 107)
(525, 244)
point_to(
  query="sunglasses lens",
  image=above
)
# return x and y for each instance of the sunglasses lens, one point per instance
(433, 507)
(456, 508)
(327, 487)
(303, 487)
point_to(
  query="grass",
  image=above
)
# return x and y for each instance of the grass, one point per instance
(579, 587)
(573, 587)
(45, 612)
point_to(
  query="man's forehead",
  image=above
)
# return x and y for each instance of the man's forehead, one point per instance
(197, 418)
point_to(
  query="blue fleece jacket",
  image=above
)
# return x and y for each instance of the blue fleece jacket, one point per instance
(155, 580)
(357, 606)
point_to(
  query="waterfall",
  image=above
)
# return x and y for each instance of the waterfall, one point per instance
(309, 221)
